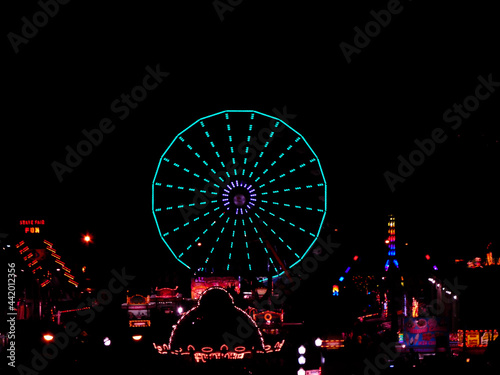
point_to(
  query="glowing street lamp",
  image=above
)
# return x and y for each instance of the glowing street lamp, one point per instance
(48, 337)
(86, 239)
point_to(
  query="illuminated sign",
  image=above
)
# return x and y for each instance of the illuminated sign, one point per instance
(31, 226)
(479, 263)
(424, 331)
(474, 338)
(139, 323)
(332, 344)
(267, 317)
(200, 284)
(167, 292)
(207, 353)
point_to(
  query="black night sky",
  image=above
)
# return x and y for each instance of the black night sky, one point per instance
(286, 56)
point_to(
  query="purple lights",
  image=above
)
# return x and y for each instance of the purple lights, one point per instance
(239, 196)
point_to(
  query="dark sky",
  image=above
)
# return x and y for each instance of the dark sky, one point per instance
(358, 116)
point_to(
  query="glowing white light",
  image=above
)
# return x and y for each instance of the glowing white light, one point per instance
(318, 342)
(180, 310)
(48, 337)
(302, 350)
(302, 360)
(107, 341)
(301, 372)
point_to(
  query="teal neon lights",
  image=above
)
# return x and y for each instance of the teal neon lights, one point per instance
(239, 191)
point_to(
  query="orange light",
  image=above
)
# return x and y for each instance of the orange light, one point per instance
(137, 337)
(87, 238)
(387, 241)
(48, 337)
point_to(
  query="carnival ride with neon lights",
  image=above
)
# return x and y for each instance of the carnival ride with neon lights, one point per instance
(239, 192)
(211, 330)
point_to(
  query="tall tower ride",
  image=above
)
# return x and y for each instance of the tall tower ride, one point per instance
(391, 244)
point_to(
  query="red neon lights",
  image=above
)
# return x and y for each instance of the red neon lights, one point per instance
(44, 283)
(31, 230)
(74, 310)
(164, 349)
(31, 222)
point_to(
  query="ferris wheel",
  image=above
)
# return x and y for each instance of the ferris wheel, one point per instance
(239, 192)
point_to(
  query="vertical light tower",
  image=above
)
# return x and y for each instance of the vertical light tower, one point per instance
(391, 244)
(393, 280)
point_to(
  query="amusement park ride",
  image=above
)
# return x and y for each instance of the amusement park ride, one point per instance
(239, 199)
(237, 194)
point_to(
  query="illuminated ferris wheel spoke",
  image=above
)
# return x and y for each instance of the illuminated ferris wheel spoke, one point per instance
(195, 153)
(264, 246)
(271, 135)
(196, 241)
(288, 222)
(207, 134)
(177, 165)
(191, 221)
(231, 147)
(286, 190)
(293, 206)
(249, 136)
(280, 157)
(169, 186)
(293, 170)
(212, 225)
(279, 238)
(246, 244)
(186, 205)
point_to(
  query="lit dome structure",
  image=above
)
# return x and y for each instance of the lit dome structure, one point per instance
(216, 328)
